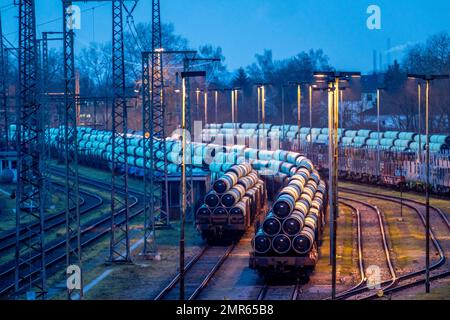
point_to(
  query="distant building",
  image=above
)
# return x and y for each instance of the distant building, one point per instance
(369, 85)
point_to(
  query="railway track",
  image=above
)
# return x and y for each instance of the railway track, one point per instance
(55, 251)
(362, 274)
(410, 202)
(94, 182)
(198, 272)
(439, 232)
(282, 293)
(88, 202)
(370, 251)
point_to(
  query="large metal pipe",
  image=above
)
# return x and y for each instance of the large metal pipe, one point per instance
(271, 225)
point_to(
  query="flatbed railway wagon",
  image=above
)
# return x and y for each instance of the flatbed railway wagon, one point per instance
(290, 236)
(230, 208)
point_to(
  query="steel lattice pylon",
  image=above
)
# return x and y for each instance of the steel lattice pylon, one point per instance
(190, 212)
(4, 132)
(158, 179)
(149, 247)
(189, 175)
(47, 113)
(45, 117)
(120, 244)
(30, 205)
(70, 145)
(153, 123)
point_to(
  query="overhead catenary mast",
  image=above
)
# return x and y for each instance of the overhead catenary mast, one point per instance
(30, 204)
(120, 242)
(70, 146)
(3, 92)
(156, 199)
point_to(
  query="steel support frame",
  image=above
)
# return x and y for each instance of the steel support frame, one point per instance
(4, 132)
(190, 202)
(333, 123)
(158, 122)
(149, 247)
(46, 113)
(73, 235)
(45, 94)
(189, 185)
(119, 242)
(335, 181)
(30, 204)
(156, 200)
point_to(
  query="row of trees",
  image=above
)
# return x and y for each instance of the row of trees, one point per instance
(400, 97)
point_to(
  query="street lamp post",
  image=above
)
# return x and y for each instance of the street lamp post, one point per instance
(419, 100)
(206, 106)
(216, 103)
(259, 104)
(263, 106)
(333, 80)
(299, 106)
(184, 76)
(342, 106)
(378, 129)
(197, 103)
(310, 116)
(282, 115)
(233, 119)
(427, 195)
(299, 113)
(428, 79)
(236, 103)
(262, 97)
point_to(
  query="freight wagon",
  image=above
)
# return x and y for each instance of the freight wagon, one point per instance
(232, 205)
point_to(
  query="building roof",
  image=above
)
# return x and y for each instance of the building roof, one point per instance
(370, 83)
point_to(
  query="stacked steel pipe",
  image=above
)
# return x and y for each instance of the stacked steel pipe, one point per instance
(295, 222)
(235, 198)
(248, 133)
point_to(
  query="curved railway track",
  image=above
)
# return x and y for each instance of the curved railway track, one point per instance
(88, 202)
(198, 272)
(362, 274)
(55, 250)
(410, 202)
(438, 270)
(368, 217)
(94, 182)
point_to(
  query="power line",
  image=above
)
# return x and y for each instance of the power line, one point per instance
(59, 19)
(7, 5)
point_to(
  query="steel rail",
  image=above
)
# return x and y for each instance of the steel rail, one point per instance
(8, 238)
(90, 233)
(204, 281)
(436, 243)
(388, 283)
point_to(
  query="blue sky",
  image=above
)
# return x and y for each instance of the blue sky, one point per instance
(245, 27)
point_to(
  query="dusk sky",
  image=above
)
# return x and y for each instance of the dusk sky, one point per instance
(246, 27)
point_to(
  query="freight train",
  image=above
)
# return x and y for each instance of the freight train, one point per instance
(399, 161)
(244, 179)
(230, 208)
(289, 238)
(389, 140)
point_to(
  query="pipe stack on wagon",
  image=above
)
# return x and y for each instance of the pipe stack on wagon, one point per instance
(235, 199)
(250, 135)
(295, 222)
